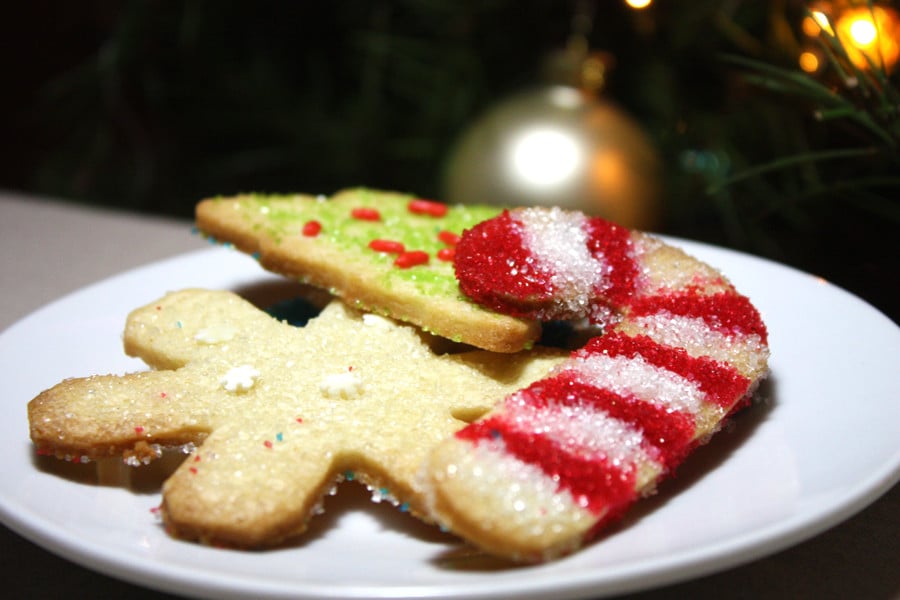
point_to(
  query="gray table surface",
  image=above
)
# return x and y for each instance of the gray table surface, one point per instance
(50, 248)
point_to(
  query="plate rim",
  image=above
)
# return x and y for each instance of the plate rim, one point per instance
(768, 540)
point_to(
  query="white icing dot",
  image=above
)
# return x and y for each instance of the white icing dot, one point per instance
(342, 385)
(239, 378)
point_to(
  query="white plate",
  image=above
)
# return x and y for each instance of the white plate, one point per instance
(820, 447)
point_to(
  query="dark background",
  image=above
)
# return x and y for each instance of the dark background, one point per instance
(149, 106)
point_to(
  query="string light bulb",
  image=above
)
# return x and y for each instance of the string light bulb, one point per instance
(870, 36)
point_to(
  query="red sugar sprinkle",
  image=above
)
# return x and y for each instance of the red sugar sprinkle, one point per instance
(163, 395)
(614, 243)
(154, 509)
(431, 208)
(446, 254)
(389, 246)
(728, 312)
(365, 213)
(139, 430)
(311, 228)
(448, 237)
(667, 435)
(491, 261)
(193, 470)
(300, 419)
(411, 259)
(721, 382)
(197, 458)
(267, 444)
(594, 482)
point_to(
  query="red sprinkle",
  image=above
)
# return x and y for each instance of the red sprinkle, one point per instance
(389, 246)
(311, 228)
(448, 237)
(411, 259)
(446, 254)
(364, 213)
(490, 263)
(721, 382)
(163, 395)
(593, 481)
(728, 312)
(139, 430)
(668, 435)
(197, 458)
(193, 470)
(613, 243)
(431, 208)
(300, 419)
(267, 444)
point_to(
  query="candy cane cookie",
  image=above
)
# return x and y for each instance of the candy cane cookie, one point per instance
(552, 463)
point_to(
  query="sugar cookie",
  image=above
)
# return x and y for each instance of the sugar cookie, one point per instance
(382, 252)
(554, 462)
(274, 414)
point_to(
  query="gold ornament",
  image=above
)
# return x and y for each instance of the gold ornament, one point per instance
(558, 145)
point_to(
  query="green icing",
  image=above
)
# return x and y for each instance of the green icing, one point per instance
(283, 216)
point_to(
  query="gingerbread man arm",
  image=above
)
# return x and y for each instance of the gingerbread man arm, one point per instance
(132, 415)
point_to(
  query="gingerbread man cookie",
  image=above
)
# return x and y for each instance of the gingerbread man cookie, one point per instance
(276, 414)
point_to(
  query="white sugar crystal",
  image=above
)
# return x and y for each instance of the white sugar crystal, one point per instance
(579, 430)
(635, 376)
(746, 352)
(559, 240)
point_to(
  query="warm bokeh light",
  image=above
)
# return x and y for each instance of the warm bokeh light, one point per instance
(545, 157)
(809, 62)
(819, 21)
(871, 33)
(638, 4)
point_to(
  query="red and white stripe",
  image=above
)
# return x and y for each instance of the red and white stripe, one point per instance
(603, 427)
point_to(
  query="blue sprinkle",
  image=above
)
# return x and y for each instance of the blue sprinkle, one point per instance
(178, 324)
(279, 437)
(495, 434)
(255, 255)
(404, 507)
(349, 475)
